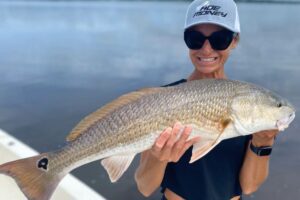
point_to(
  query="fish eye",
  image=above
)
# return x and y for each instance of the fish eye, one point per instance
(279, 104)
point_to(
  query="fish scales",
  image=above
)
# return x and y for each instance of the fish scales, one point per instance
(217, 110)
(105, 134)
(175, 108)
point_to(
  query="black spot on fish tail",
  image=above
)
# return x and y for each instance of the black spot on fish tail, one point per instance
(43, 163)
(31, 175)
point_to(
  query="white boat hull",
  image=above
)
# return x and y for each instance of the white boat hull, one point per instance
(70, 188)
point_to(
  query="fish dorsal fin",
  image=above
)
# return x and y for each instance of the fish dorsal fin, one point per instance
(89, 120)
(117, 165)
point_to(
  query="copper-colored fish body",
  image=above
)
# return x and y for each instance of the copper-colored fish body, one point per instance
(216, 109)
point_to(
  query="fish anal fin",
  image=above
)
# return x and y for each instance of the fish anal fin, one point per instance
(91, 119)
(117, 165)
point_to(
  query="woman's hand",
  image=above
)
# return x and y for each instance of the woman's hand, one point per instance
(264, 138)
(171, 144)
(168, 147)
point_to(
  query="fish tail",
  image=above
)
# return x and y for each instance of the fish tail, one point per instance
(33, 176)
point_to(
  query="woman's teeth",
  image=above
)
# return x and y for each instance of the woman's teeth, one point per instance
(207, 59)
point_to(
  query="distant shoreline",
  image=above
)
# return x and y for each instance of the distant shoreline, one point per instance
(243, 1)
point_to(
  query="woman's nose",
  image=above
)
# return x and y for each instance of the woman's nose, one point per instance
(206, 48)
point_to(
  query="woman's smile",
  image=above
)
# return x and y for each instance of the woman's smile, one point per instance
(207, 60)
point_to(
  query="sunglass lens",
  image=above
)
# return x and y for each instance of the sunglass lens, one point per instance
(193, 39)
(221, 40)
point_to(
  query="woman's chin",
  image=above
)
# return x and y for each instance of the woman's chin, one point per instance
(208, 69)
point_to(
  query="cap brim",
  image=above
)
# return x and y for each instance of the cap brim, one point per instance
(216, 23)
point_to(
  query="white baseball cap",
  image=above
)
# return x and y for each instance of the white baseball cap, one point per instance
(219, 12)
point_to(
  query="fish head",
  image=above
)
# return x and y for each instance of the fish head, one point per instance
(258, 109)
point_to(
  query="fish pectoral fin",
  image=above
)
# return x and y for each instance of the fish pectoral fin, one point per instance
(117, 165)
(200, 150)
(205, 145)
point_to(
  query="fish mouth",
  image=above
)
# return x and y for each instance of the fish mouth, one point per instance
(284, 123)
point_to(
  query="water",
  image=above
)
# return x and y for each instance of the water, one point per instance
(61, 61)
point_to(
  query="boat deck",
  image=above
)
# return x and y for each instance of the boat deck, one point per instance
(70, 187)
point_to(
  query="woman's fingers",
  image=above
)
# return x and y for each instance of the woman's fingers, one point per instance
(169, 147)
(175, 131)
(188, 144)
(266, 134)
(167, 150)
(182, 139)
(162, 139)
(180, 143)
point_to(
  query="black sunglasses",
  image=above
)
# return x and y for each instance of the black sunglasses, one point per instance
(219, 40)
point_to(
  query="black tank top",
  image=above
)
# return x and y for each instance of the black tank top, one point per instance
(213, 177)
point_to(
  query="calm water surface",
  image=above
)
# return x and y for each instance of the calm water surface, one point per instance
(61, 61)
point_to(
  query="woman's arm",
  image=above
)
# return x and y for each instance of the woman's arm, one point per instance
(167, 148)
(149, 174)
(255, 168)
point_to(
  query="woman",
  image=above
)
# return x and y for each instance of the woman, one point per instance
(234, 167)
